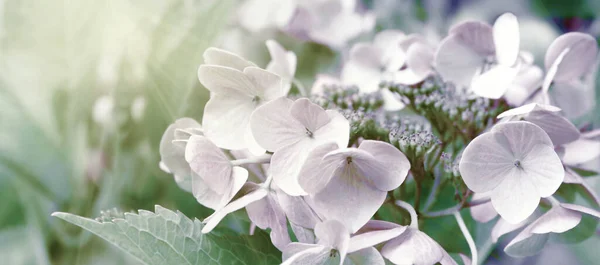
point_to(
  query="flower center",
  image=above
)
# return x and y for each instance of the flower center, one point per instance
(309, 133)
(333, 253)
(349, 160)
(518, 164)
(256, 99)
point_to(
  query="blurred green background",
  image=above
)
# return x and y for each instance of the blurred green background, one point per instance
(87, 88)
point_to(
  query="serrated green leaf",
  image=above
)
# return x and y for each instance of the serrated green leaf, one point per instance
(166, 237)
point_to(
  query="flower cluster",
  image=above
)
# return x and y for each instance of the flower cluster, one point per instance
(324, 164)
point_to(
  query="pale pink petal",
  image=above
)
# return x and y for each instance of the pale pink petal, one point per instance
(298, 211)
(349, 199)
(448, 260)
(583, 49)
(391, 167)
(526, 244)
(267, 86)
(522, 136)
(301, 254)
(580, 151)
(559, 129)
(376, 225)
(337, 130)
(544, 168)
(213, 220)
(484, 212)
(216, 56)
(494, 83)
(388, 43)
(209, 162)
(556, 220)
(485, 162)
(478, 36)
(316, 172)
(525, 83)
(172, 155)
(391, 101)
(365, 77)
(552, 72)
(506, 39)
(304, 235)
(419, 58)
(369, 239)
(286, 164)
(526, 109)
(465, 259)
(456, 62)
(406, 77)
(581, 209)
(574, 98)
(225, 119)
(366, 256)
(310, 115)
(502, 227)
(267, 213)
(515, 198)
(322, 81)
(413, 247)
(203, 194)
(366, 55)
(274, 127)
(333, 233)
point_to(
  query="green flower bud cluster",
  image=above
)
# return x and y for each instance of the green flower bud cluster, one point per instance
(411, 140)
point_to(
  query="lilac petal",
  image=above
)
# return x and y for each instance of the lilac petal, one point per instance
(316, 172)
(448, 260)
(209, 162)
(304, 235)
(506, 39)
(544, 168)
(204, 195)
(298, 210)
(484, 212)
(391, 168)
(337, 130)
(216, 56)
(456, 62)
(267, 86)
(213, 220)
(419, 58)
(558, 128)
(502, 227)
(391, 101)
(494, 83)
(283, 63)
(226, 118)
(556, 220)
(369, 239)
(267, 213)
(300, 254)
(583, 49)
(348, 198)
(478, 36)
(526, 244)
(522, 136)
(580, 151)
(552, 71)
(573, 98)
(525, 83)
(413, 247)
(515, 198)
(377, 225)
(465, 259)
(526, 109)
(366, 256)
(309, 114)
(334, 234)
(274, 127)
(485, 162)
(286, 164)
(581, 209)
(406, 77)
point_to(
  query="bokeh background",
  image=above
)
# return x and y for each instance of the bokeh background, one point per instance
(87, 88)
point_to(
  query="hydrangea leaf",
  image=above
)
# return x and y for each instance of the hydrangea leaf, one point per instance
(167, 237)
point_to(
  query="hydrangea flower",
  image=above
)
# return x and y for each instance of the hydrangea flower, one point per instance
(561, 218)
(237, 89)
(331, 248)
(291, 129)
(283, 63)
(172, 150)
(483, 58)
(350, 184)
(260, 15)
(517, 163)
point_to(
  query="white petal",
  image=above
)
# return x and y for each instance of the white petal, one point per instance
(485, 162)
(388, 43)
(226, 118)
(225, 80)
(334, 234)
(391, 167)
(583, 49)
(494, 83)
(413, 247)
(349, 199)
(298, 211)
(556, 220)
(286, 164)
(581, 209)
(515, 198)
(365, 77)
(574, 98)
(391, 101)
(253, 195)
(274, 127)
(267, 213)
(266, 85)
(559, 129)
(209, 162)
(457, 62)
(419, 58)
(369, 239)
(526, 109)
(553, 71)
(503, 227)
(525, 83)
(526, 244)
(580, 151)
(478, 36)
(310, 115)
(301, 254)
(204, 195)
(448, 260)
(367, 256)
(337, 130)
(376, 225)
(544, 169)
(484, 212)
(282, 62)
(506, 39)
(304, 235)
(173, 155)
(522, 136)
(216, 56)
(316, 172)
(366, 55)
